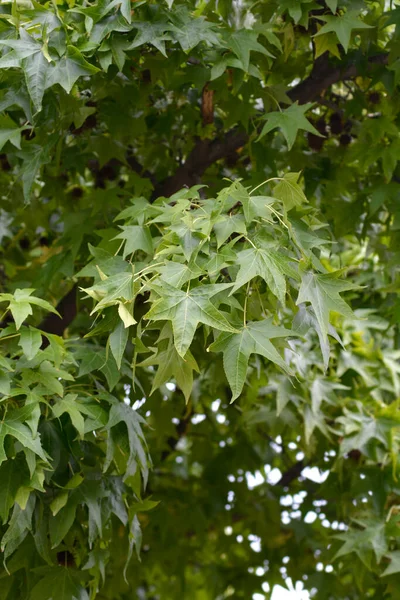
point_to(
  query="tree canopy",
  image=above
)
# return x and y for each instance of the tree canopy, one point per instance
(199, 342)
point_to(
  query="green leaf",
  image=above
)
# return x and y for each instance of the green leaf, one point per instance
(371, 537)
(92, 360)
(37, 70)
(20, 310)
(289, 191)
(34, 157)
(290, 121)
(9, 132)
(332, 4)
(150, 33)
(294, 8)
(186, 310)
(322, 291)
(61, 583)
(228, 224)
(59, 502)
(92, 493)
(242, 42)
(62, 522)
(112, 290)
(326, 43)
(69, 68)
(23, 47)
(342, 25)
(237, 347)
(126, 10)
(257, 206)
(5, 383)
(268, 264)
(30, 341)
(120, 412)
(172, 366)
(69, 405)
(190, 32)
(20, 524)
(135, 540)
(126, 314)
(14, 428)
(394, 566)
(50, 377)
(118, 340)
(12, 473)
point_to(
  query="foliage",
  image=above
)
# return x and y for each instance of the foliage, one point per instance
(199, 282)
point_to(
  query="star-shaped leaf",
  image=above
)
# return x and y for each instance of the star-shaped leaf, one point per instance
(326, 43)
(30, 341)
(9, 132)
(151, 33)
(372, 537)
(228, 224)
(186, 310)
(190, 32)
(136, 238)
(322, 291)
(342, 26)
(120, 412)
(294, 8)
(172, 366)
(257, 206)
(20, 304)
(253, 338)
(289, 120)
(289, 191)
(70, 406)
(69, 68)
(242, 42)
(268, 264)
(394, 566)
(14, 427)
(60, 583)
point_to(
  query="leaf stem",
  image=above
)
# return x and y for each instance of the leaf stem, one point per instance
(245, 305)
(147, 268)
(250, 242)
(266, 181)
(8, 337)
(119, 247)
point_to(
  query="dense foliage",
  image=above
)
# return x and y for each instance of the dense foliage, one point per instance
(199, 343)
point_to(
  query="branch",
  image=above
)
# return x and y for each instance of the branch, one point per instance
(203, 155)
(293, 473)
(324, 75)
(207, 152)
(137, 167)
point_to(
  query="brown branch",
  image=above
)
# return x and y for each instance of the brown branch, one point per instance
(203, 155)
(137, 167)
(207, 152)
(293, 473)
(323, 76)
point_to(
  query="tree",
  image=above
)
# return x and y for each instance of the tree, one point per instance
(199, 361)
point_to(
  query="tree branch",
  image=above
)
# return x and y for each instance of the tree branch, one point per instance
(207, 152)
(293, 473)
(324, 75)
(203, 155)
